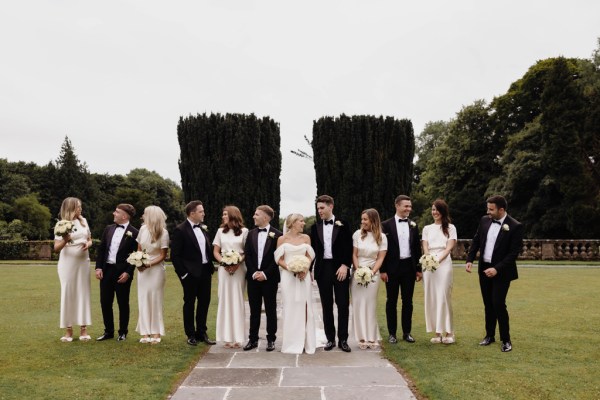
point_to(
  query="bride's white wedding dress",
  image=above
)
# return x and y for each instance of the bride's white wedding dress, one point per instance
(298, 318)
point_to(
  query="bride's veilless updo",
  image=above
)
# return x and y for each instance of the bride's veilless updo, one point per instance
(291, 219)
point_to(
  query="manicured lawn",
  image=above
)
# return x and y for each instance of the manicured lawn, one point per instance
(555, 329)
(34, 364)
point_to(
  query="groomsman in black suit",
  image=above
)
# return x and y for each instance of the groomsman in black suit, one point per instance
(401, 267)
(499, 239)
(332, 242)
(113, 271)
(262, 274)
(191, 253)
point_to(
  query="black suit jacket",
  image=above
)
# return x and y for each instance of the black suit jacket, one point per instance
(268, 264)
(506, 249)
(341, 246)
(392, 257)
(127, 246)
(185, 252)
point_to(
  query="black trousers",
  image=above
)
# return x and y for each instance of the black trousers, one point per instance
(400, 282)
(330, 286)
(257, 292)
(196, 295)
(108, 289)
(494, 292)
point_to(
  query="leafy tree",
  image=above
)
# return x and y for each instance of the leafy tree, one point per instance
(35, 216)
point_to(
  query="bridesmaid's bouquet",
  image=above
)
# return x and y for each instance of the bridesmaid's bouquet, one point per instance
(230, 258)
(138, 258)
(298, 264)
(429, 262)
(363, 276)
(64, 228)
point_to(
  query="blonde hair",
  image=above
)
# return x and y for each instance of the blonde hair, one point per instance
(154, 219)
(68, 208)
(291, 219)
(375, 221)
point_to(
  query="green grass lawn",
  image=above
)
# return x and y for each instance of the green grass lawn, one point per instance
(34, 364)
(555, 331)
(555, 327)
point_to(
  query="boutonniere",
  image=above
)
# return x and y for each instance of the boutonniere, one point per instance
(505, 228)
(272, 235)
(129, 234)
(412, 224)
(204, 228)
(339, 223)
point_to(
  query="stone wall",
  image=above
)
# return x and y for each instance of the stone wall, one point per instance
(545, 249)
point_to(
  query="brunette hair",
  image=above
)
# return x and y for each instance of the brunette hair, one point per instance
(324, 198)
(154, 219)
(236, 221)
(441, 206)
(191, 206)
(400, 198)
(375, 221)
(128, 208)
(267, 210)
(499, 201)
(68, 208)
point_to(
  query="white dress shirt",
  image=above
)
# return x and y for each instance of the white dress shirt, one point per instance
(328, 239)
(115, 243)
(262, 239)
(491, 239)
(201, 240)
(403, 230)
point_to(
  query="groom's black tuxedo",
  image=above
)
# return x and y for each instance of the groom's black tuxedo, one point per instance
(110, 275)
(504, 259)
(259, 290)
(325, 275)
(401, 273)
(195, 276)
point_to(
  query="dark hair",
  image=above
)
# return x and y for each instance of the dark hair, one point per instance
(498, 200)
(267, 210)
(400, 198)
(325, 199)
(236, 221)
(191, 206)
(441, 206)
(375, 221)
(128, 208)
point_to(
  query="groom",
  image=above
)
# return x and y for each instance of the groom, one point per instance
(332, 242)
(499, 239)
(113, 271)
(262, 274)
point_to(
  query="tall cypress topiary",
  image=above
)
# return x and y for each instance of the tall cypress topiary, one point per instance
(230, 159)
(363, 162)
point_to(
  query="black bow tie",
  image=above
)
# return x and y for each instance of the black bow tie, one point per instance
(330, 222)
(120, 226)
(262, 229)
(495, 221)
(197, 226)
(402, 220)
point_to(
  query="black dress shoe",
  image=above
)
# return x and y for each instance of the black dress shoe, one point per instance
(252, 345)
(506, 346)
(487, 341)
(270, 346)
(204, 338)
(105, 336)
(392, 339)
(344, 346)
(328, 346)
(408, 338)
(192, 341)
(122, 337)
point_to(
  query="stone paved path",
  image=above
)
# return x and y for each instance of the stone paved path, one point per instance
(231, 374)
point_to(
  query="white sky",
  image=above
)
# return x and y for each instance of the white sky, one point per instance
(115, 76)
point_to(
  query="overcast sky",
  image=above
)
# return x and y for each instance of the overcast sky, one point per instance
(115, 76)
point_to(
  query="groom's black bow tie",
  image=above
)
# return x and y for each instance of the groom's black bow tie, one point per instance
(402, 220)
(262, 229)
(197, 226)
(495, 221)
(120, 226)
(330, 222)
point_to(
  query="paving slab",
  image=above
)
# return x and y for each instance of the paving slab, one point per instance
(340, 359)
(231, 377)
(215, 360)
(194, 393)
(272, 359)
(341, 376)
(275, 393)
(373, 392)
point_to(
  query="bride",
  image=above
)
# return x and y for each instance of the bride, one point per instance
(296, 289)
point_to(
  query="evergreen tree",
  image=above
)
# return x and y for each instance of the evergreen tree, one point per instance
(230, 159)
(363, 162)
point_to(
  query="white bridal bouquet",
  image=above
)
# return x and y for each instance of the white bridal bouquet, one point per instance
(230, 258)
(298, 264)
(63, 228)
(138, 258)
(363, 276)
(429, 262)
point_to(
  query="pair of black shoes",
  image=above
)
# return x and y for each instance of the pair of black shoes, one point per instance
(342, 345)
(194, 340)
(106, 336)
(252, 345)
(407, 337)
(506, 345)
